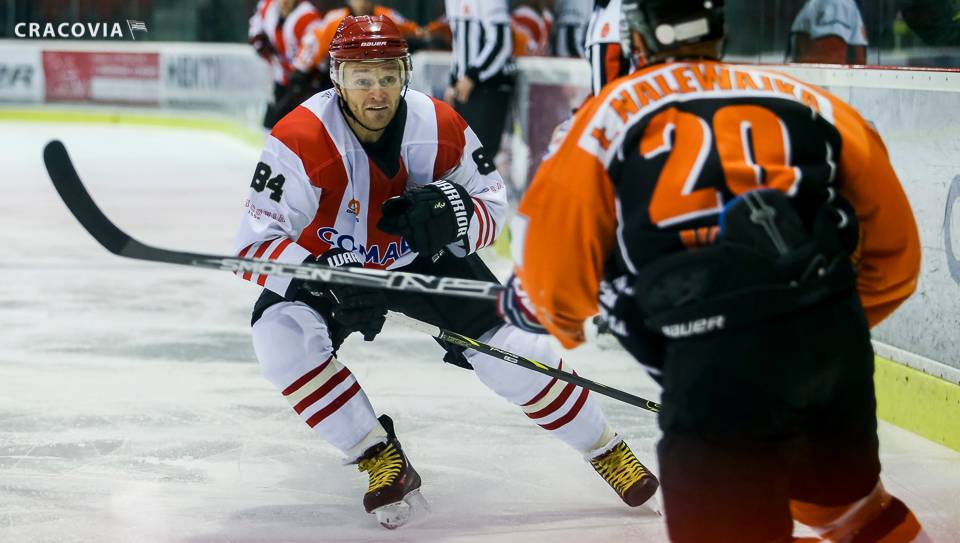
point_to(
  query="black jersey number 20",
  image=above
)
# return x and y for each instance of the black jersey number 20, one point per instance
(262, 180)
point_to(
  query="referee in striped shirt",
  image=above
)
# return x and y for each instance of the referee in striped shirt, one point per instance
(483, 73)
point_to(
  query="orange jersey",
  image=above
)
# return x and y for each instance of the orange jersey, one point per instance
(317, 48)
(650, 162)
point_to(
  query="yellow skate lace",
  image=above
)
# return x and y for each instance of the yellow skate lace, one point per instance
(620, 468)
(384, 468)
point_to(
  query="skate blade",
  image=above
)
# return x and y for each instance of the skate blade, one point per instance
(412, 509)
(654, 504)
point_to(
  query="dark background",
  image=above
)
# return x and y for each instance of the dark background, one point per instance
(174, 20)
(754, 26)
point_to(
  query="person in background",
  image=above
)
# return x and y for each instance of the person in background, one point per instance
(603, 46)
(277, 31)
(740, 231)
(935, 22)
(828, 32)
(483, 74)
(571, 23)
(531, 23)
(314, 55)
(436, 33)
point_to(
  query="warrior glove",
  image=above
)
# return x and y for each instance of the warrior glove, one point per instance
(352, 309)
(429, 217)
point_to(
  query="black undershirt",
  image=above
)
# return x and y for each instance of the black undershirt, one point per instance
(385, 152)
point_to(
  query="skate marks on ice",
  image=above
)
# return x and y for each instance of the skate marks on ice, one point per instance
(132, 408)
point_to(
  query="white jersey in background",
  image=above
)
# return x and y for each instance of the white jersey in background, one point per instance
(482, 39)
(286, 34)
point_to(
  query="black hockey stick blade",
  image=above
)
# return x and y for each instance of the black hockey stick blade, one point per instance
(78, 200)
(118, 242)
(80, 203)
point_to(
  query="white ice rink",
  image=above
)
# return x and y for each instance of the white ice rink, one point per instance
(132, 408)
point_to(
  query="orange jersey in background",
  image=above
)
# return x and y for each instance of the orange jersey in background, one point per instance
(650, 162)
(316, 52)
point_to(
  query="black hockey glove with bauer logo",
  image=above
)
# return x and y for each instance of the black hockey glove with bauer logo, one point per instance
(429, 217)
(352, 309)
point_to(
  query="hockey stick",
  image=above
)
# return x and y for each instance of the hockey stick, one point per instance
(118, 242)
(461, 340)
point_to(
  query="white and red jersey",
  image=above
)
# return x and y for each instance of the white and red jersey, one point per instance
(533, 27)
(316, 188)
(286, 34)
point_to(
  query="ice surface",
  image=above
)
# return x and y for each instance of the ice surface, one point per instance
(132, 409)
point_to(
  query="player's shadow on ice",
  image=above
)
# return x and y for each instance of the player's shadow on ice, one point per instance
(347, 522)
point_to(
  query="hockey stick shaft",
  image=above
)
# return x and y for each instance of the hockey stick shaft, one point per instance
(461, 340)
(78, 200)
(81, 204)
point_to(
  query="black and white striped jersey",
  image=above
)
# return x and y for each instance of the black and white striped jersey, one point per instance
(603, 48)
(482, 40)
(569, 30)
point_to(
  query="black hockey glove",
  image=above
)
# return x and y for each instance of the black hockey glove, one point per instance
(429, 217)
(621, 317)
(353, 309)
(261, 44)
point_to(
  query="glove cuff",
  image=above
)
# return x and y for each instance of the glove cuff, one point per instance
(340, 258)
(460, 202)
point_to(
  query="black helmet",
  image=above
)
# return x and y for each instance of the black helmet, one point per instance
(668, 24)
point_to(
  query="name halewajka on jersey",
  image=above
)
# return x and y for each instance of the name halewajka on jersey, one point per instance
(684, 82)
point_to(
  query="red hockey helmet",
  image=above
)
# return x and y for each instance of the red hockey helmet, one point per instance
(368, 38)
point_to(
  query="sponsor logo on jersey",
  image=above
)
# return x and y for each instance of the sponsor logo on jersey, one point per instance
(373, 254)
(605, 31)
(694, 328)
(353, 208)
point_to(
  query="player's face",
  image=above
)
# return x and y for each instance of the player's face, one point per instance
(372, 91)
(361, 7)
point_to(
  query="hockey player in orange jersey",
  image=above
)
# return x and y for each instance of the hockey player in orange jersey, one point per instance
(377, 175)
(740, 231)
(317, 49)
(278, 31)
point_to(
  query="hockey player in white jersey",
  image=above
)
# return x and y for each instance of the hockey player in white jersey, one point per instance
(373, 174)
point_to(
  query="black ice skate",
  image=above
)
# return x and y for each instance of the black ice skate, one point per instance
(394, 491)
(631, 480)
